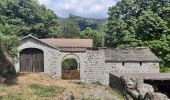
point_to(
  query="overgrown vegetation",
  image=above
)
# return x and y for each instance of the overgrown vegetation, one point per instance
(134, 23)
(46, 91)
(116, 93)
(70, 64)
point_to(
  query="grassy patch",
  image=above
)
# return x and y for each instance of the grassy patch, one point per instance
(116, 93)
(12, 97)
(88, 98)
(46, 91)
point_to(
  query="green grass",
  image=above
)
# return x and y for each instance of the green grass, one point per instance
(88, 98)
(46, 91)
(12, 97)
(116, 93)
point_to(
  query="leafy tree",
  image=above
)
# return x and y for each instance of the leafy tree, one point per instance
(8, 40)
(70, 64)
(8, 44)
(134, 23)
(71, 28)
(28, 17)
(92, 34)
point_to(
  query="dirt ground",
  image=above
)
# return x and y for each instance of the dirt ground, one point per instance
(21, 90)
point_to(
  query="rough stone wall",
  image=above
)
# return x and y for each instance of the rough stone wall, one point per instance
(94, 66)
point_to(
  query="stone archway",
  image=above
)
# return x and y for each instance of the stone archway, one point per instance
(72, 56)
(31, 60)
(71, 70)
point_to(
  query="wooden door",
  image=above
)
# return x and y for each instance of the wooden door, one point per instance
(31, 60)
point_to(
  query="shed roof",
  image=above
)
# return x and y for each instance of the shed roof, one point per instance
(146, 76)
(85, 43)
(130, 54)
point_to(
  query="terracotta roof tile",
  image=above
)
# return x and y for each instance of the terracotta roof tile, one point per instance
(69, 42)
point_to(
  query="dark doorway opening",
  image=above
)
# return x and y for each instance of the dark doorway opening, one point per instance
(162, 86)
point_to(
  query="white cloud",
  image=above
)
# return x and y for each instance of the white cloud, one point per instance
(85, 8)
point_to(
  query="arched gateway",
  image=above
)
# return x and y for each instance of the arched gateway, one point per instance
(71, 67)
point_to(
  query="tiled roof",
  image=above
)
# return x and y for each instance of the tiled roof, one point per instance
(85, 43)
(65, 49)
(130, 54)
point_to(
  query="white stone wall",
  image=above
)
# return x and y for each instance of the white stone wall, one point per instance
(133, 67)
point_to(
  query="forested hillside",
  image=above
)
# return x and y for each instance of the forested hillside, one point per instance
(80, 27)
(134, 23)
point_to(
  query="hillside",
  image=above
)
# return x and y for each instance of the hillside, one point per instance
(83, 23)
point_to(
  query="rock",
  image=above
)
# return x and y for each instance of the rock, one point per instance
(143, 88)
(155, 96)
(129, 83)
(69, 96)
(2, 80)
(77, 81)
(133, 93)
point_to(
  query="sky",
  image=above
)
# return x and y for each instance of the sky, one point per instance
(84, 8)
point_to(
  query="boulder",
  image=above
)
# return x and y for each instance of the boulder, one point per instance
(129, 83)
(69, 96)
(2, 80)
(143, 88)
(155, 96)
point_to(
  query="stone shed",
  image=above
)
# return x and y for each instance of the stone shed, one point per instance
(46, 55)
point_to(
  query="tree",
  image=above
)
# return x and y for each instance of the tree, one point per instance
(134, 23)
(28, 17)
(69, 28)
(70, 64)
(92, 34)
(8, 50)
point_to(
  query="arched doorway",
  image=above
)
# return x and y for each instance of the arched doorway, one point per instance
(31, 60)
(71, 67)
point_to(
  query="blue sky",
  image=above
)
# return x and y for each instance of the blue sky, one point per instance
(85, 8)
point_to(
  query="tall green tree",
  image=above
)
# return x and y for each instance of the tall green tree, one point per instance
(29, 17)
(134, 23)
(92, 34)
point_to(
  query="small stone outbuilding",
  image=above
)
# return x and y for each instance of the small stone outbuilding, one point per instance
(46, 55)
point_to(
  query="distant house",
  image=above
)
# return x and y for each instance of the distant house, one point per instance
(47, 55)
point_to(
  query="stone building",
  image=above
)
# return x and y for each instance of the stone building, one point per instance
(46, 55)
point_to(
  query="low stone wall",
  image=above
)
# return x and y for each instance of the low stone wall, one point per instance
(134, 88)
